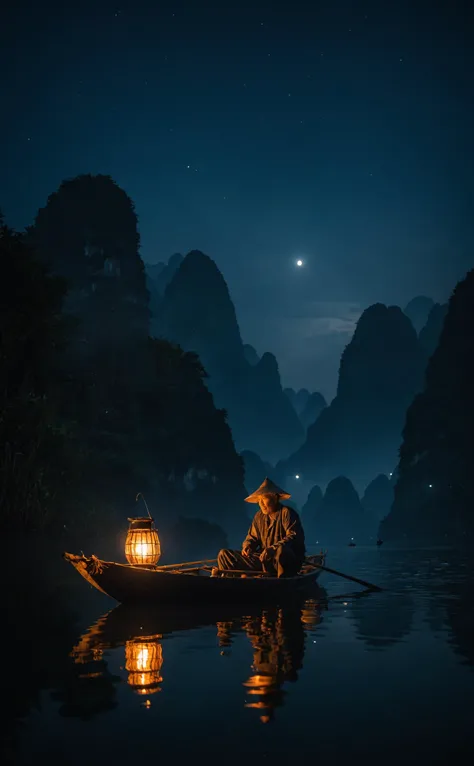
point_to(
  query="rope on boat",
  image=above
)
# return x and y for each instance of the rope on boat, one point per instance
(97, 567)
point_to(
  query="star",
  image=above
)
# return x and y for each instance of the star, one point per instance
(299, 262)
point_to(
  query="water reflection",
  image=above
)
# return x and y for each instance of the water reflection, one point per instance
(278, 642)
(126, 663)
(144, 658)
(451, 614)
(385, 623)
(276, 636)
(434, 582)
(39, 623)
(88, 688)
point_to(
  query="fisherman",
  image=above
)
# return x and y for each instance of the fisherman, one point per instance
(275, 540)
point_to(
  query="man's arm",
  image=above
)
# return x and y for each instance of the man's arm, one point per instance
(252, 541)
(292, 529)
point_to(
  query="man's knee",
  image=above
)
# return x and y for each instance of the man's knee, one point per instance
(223, 558)
(285, 561)
(281, 555)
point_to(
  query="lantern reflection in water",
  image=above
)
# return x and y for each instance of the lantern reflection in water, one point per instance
(143, 661)
(311, 614)
(142, 546)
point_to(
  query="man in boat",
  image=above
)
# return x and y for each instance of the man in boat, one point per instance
(275, 540)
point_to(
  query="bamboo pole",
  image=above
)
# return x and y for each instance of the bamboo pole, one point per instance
(186, 564)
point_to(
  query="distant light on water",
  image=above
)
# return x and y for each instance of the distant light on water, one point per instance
(297, 476)
(430, 486)
(299, 263)
(390, 474)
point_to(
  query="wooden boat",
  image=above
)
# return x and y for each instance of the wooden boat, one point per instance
(190, 582)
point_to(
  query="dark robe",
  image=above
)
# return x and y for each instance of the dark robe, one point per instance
(279, 532)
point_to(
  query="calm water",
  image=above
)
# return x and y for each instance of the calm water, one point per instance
(388, 677)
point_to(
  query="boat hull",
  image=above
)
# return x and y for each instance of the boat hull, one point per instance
(130, 585)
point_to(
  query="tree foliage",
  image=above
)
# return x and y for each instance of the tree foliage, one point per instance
(32, 333)
(92, 409)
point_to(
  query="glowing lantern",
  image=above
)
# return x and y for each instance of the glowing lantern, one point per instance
(143, 660)
(142, 546)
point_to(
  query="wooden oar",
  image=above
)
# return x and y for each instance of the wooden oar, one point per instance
(369, 585)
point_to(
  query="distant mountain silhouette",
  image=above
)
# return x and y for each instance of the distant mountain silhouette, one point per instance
(417, 310)
(310, 515)
(298, 399)
(158, 276)
(359, 433)
(307, 406)
(193, 538)
(430, 333)
(161, 273)
(378, 497)
(198, 314)
(250, 354)
(434, 494)
(255, 470)
(312, 409)
(340, 515)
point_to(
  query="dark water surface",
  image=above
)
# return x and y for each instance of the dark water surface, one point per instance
(349, 677)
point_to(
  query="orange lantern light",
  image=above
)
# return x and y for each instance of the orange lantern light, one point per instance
(142, 546)
(143, 661)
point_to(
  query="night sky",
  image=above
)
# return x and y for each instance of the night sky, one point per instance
(337, 132)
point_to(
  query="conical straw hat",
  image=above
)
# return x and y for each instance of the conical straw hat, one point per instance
(268, 487)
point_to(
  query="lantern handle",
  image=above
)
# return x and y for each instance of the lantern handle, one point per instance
(146, 506)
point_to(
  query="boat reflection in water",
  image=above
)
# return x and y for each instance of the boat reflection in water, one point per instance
(277, 636)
